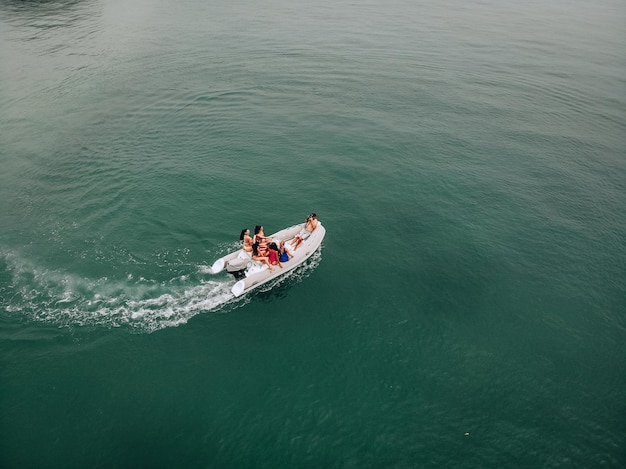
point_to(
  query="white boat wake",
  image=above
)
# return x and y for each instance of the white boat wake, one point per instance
(142, 305)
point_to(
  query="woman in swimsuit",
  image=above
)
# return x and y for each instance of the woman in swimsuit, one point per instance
(274, 255)
(258, 258)
(247, 240)
(259, 237)
(285, 254)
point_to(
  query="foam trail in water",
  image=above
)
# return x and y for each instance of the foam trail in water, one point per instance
(143, 305)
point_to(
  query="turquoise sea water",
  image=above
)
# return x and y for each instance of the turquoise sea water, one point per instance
(468, 305)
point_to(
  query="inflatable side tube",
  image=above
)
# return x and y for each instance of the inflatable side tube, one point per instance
(238, 288)
(217, 266)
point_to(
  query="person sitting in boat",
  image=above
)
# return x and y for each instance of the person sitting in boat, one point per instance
(309, 225)
(285, 254)
(259, 237)
(256, 257)
(247, 240)
(274, 255)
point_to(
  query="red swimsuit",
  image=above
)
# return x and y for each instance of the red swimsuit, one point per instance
(273, 255)
(263, 242)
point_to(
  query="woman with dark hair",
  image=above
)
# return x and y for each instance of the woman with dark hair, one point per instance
(261, 239)
(274, 255)
(247, 240)
(257, 257)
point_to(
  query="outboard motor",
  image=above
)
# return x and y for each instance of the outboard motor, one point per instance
(238, 267)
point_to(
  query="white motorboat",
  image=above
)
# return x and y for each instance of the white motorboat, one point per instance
(251, 274)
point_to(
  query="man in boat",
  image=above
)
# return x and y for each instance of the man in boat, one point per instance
(309, 225)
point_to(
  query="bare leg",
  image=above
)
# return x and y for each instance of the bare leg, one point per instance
(263, 259)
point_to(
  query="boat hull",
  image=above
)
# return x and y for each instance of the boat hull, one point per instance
(257, 274)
